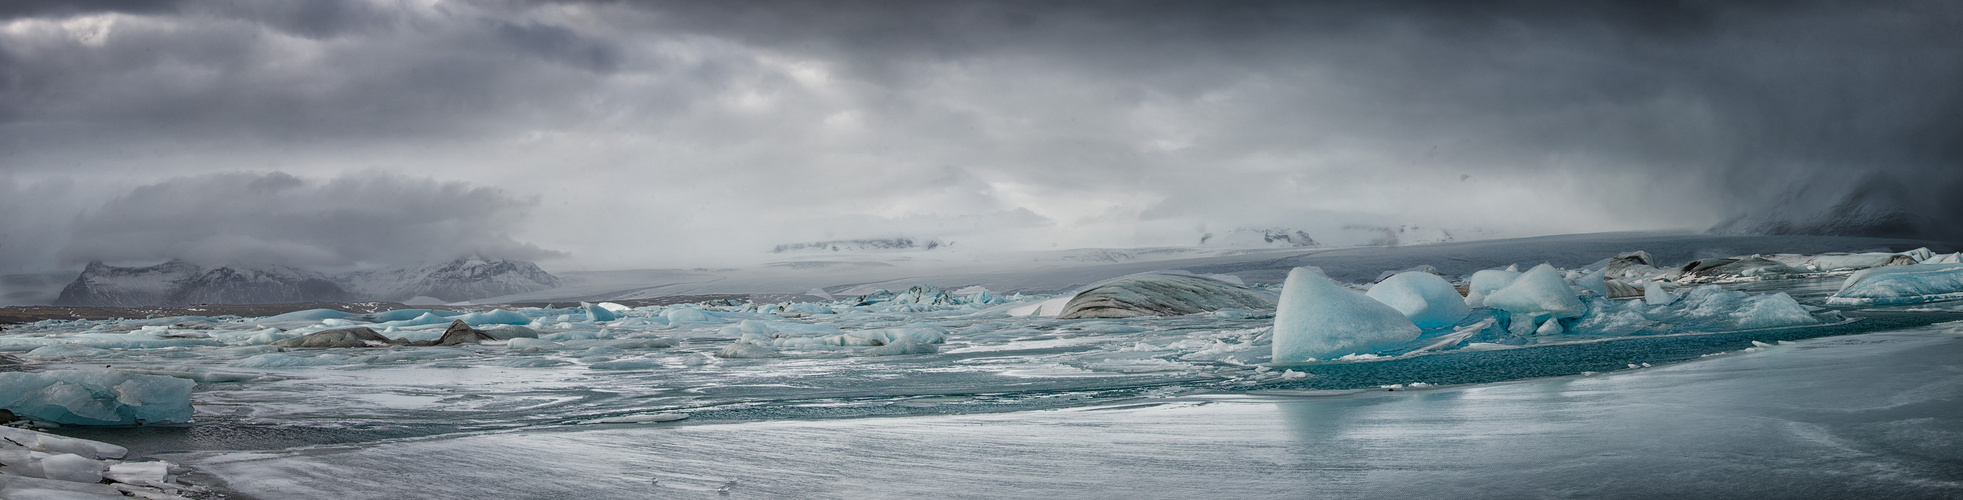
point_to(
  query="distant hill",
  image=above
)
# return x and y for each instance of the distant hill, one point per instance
(180, 283)
(865, 245)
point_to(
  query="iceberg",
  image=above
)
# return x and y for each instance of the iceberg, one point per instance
(1426, 298)
(494, 317)
(402, 314)
(1485, 282)
(96, 397)
(1901, 285)
(1536, 295)
(1655, 295)
(597, 313)
(359, 336)
(1725, 268)
(1316, 319)
(1161, 294)
(310, 315)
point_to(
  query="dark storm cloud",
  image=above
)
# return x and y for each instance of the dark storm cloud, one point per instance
(275, 217)
(1096, 123)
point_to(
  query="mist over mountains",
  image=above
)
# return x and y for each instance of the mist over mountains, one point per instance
(178, 282)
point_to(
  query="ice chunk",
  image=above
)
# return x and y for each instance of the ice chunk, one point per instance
(1768, 311)
(1485, 282)
(1316, 319)
(139, 472)
(72, 467)
(134, 341)
(402, 314)
(1901, 285)
(1046, 308)
(1711, 306)
(1537, 294)
(597, 313)
(1160, 294)
(309, 315)
(49, 443)
(1721, 268)
(425, 319)
(509, 332)
(495, 317)
(359, 336)
(905, 345)
(532, 345)
(687, 315)
(1426, 298)
(1634, 264)
(1655, 295)
(96, 397)
(1594, 282)
(65, 351)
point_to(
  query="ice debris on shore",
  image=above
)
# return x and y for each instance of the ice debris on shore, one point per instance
(36, 464)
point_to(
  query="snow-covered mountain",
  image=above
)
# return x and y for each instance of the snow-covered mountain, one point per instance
(104, 285)
(466, 278)
(179, 283)
(236, 284)
(1874, 207)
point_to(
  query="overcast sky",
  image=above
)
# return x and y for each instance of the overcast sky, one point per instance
(596, 135)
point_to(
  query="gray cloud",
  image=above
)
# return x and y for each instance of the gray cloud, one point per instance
(275, 217)
(659, 132)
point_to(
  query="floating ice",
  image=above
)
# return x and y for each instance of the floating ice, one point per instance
(359, 336)
(1426, 298)
(1901, 285)
(688, 315)
(904, 345)
(72, 467)
(1048, 308)
(402, 314)
(96, 397)
(1655, 295)
(510, 332)
(1160, 294)
(1724, 268)
(495, 317)
(42, 442)
(1485, 282)
(1537, 294)
(312, 315)
(424, 319)
(597, 313)
(1317, 320)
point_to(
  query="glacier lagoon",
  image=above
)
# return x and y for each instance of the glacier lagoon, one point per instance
(965, 389)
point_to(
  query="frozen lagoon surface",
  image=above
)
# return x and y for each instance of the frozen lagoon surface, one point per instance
(1863, 402)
